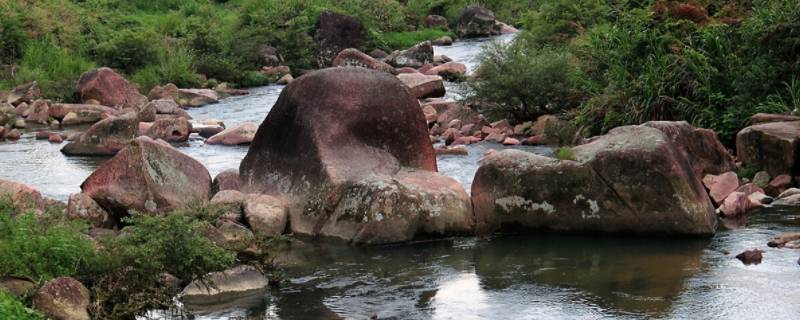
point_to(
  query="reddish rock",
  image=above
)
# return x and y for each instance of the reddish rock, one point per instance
(63, 299)
(60, 110)
(719, 187)
(14, 134)
(354, 58)
(55, 138)
(737, 203)
(448, 111)
(504, 28)
(760, 118)
(196, 97)
(23, 197)
(771, 146)
(110, 89)
(43, 135)
(148, 176)
(496, 136)
(226, 180)
(378, 54)
(443, 41)
(436, 21)
(452, 71)
(39, 112)
(422, 86)
(144, 127)
(241, 134)
(366, 174)
(632, 180)
(792, 239)
(406, 70)
(82, 117)
(24, 93)
(534, 141)
(81, 206)
(701, 146)
(750, 257)
(511, 141)
(455, 151)
(207, 130)
(450, 135)
(286, 79)
(750, 188)
(778, 185)
(106, 137)
(430, 113)
(466, 140)
(266, 215)
(170, 130)
(276, 71)
(468, 129)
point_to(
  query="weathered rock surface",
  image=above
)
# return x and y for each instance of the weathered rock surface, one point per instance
(336, 32)
(23, 197)
(63, 299)
(226, 180)
(60, 110)
(229, 285)
(39, 112)
(788, 240)
(148, 176)
(422, 86)
(719, 187)
(170, 130)
(701, 146)
(266, 215)
(354, 58)
(24, 93)
(414, 57)
(436, 21)
(477, 21)
(196, 97)
(632, 180)
(81, 206)
(366, 174)
(452, 71)
(750, 257)
(110, 89)
(774, 147)
(106, 137)
(241, 134)
(760, 118)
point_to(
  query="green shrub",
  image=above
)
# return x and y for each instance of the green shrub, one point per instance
(255, 79)
(42, 250)
(174, 65)
(132, 264)
(130, 49)
(565, 153)
(13, 309)
(521, 83)
(559, 21)
(55, 69)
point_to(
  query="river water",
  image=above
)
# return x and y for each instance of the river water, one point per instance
(512, 277)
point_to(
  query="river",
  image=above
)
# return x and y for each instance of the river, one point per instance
(512, 277)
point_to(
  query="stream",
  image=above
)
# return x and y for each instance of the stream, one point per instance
(512, 277)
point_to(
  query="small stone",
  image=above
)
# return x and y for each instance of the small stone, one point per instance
(750, 257)
(55, 138)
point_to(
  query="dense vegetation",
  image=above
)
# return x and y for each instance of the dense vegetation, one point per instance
(604, 64)
(124, 273)
(155, 42)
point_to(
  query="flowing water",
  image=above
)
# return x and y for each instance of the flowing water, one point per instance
(512, 277)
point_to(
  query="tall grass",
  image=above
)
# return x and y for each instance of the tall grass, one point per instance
(56, 69)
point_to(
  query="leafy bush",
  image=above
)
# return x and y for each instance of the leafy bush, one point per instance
(55, 69)
(521, 83)
(130, 49)
(134, 262)
(175, 65)
(565, 153)
(33, 249)
(13, 309)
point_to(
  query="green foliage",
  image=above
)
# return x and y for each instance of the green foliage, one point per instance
(13, 309)
(129, 49)
(38, 250)
(403, 40)
(175, 65)
(133, 263)
(521, 83)
(565, 153)
(56, 69)
(559, 21)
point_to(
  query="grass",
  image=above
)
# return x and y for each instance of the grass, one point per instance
(565, 153)
(13, 309)
(56, 69)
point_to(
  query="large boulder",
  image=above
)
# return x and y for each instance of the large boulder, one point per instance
(336, 32)
(196, 97)
(774, 147)
(39, 112)
(148, 176)
(633, 180)
(110, 89)
(241, 134)
(414, 57)
(422, 86)
(60, 110)
(63, 299)
(81, 206)
(349, 149)
(702, 147)
(477, 21)
(354, 58)
(106, 137)
(24, 93)
(452, 71)
(266, 215)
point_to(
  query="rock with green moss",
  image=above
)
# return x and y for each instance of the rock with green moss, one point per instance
(106, 137)
(633, 180)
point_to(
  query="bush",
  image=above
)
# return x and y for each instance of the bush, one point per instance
(130, 49)
(42, 250)
(565, 153)
(55, 69)
(150, 246)
(521, 83)
(13, 309)
(175, 65)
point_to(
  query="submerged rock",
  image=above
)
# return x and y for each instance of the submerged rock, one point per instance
(750, 257)
(633, 180)
(170, 129)
(148, 176)
(63, 299)
(110, 89)
(789, 240)
(228, 285)
(366, 173)
(106, 137)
